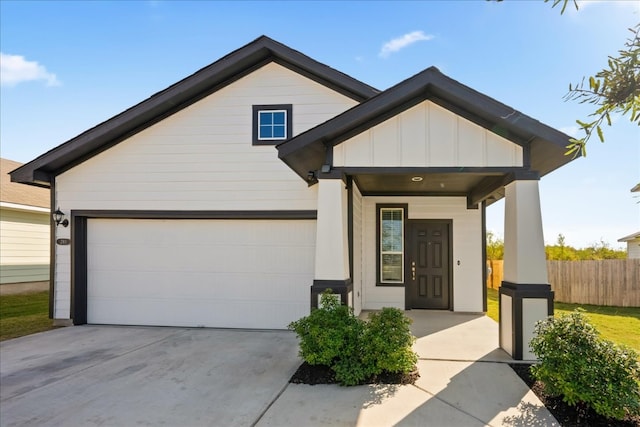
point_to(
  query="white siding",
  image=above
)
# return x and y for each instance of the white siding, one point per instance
(467, 249)
(427, 135)
(358, 268)
(200, 158)
(633, 248)
(24, 246)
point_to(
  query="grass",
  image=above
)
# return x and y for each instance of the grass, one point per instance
(617, 324)
(24, 314)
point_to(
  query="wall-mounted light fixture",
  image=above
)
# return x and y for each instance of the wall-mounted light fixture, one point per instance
(58, 217)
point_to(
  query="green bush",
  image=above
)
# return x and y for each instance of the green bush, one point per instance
(387, 343)
(329, 333)
(355, 350)
(575, 363)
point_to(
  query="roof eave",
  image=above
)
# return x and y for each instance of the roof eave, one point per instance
(178, 96)
(432, 84)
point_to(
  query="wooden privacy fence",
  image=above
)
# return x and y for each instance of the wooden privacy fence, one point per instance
(614, 282)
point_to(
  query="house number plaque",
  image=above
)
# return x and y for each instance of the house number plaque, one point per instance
(63, 241)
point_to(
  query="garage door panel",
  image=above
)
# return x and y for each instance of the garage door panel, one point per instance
(197, 312)
(248, 274)
(192, 285)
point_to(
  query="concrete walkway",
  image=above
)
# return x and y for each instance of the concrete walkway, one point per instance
(122, 376)
(464, 381)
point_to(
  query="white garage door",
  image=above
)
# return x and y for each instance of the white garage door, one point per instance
(212, 273)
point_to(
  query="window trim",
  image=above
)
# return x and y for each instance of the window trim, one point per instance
(379, 208)
(287, 108)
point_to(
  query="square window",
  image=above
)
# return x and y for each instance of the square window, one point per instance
(271, 124)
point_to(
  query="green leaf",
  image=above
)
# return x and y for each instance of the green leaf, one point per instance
(600, 135)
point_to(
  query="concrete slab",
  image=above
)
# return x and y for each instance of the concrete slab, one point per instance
(487, 391)
(100, 375)
(456, 336)
(366, 406)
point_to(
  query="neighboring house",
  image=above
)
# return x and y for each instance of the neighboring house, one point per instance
(633, 240)
(24, 231)
(237, 195)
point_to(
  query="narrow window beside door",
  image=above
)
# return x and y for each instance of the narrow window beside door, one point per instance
(391, 248)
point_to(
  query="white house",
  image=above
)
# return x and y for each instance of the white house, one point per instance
(237, 195)
(632, 240)
(24, 233)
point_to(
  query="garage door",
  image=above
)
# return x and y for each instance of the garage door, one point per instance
(199, 273)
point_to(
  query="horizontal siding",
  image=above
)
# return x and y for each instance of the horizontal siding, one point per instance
(633, 248)
(24, 246)
(427, 135)
(200, 158)
(467, 248)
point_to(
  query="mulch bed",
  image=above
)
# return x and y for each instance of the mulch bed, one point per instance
(568, 416)
(320, 374)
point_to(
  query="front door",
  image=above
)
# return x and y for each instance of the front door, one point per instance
(429, 264)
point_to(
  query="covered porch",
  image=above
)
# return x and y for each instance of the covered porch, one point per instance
(404, 180)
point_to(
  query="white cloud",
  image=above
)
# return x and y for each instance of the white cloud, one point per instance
(401, 42)
(15, 69)
(570, 130)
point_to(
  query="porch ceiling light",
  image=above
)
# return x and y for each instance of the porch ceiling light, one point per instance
(417, 179)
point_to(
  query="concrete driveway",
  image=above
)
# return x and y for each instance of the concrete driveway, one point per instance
(108, 375)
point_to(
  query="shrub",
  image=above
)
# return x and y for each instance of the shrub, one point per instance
(387, 343)
(355, 350)
(331, 335)
(575, 363)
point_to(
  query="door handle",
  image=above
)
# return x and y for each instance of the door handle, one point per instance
(413, 270)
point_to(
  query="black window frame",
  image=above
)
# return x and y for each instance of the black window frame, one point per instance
(288, 108)
(405, 217)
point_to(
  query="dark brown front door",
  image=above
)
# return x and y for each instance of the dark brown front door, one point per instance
(429, 264)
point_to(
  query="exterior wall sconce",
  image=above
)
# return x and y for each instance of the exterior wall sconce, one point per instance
(58, 217)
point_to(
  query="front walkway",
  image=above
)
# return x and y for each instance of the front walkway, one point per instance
(464, 381)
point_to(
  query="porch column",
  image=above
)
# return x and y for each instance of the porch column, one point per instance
(525, 294)
(332, 243)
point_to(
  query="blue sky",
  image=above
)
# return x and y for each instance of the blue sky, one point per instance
(67, 66)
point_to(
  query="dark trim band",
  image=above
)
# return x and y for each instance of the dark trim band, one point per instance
(136, 214)
(79, 220)
(340, 287)
(518, 292)
(52, 249)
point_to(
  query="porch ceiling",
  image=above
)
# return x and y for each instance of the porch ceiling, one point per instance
(441, 184)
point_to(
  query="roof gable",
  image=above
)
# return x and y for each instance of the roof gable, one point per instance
(546, 146)
(204, 82)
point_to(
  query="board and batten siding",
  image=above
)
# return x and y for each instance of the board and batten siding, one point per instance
(24, 246)
(358, 268)
(200, 158)
(427, 135)
(467, 249)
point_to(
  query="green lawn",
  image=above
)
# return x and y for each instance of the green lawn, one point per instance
(618, 324)
(24, 314)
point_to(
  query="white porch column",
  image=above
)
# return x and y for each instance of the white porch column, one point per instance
(332, 242)
(525, 295)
